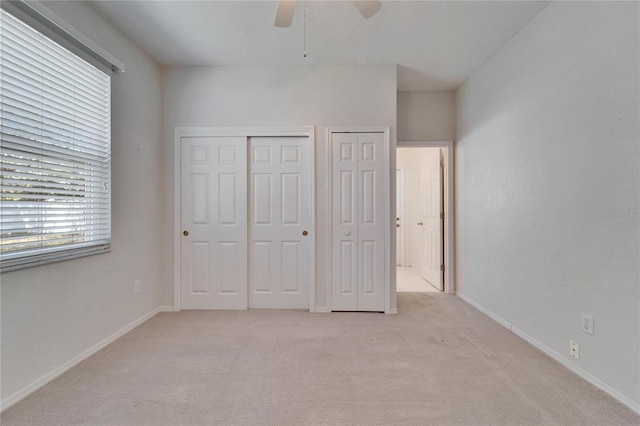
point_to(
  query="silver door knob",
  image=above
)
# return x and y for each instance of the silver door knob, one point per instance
(420, 223)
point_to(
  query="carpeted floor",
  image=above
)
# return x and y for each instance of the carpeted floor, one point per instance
(438, 362)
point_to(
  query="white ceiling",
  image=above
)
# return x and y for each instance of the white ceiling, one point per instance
(437, 44)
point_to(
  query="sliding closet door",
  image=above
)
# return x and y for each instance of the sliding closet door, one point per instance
(358, 230)
(280, 216)
(214, 223)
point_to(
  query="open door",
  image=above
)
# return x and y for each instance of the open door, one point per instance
(431, 218)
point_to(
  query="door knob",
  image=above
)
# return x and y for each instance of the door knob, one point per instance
(347, 233)
(420, 223)
(305, 233)
(185, 233)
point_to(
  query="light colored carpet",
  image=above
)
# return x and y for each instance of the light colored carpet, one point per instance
(438, 362)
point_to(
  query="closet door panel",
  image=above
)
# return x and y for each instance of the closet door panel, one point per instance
(214, 223)
(344, 251)
(370, 219)
(280, 195)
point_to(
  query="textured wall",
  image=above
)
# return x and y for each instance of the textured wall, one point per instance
(548, 184)
(426, 116)
(52, 313)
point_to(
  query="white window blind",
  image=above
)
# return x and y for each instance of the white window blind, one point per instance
(55, 119)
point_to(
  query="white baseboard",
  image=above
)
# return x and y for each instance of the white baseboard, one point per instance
(506, 324)
(556, 356)
(322, 310)
(577, 370)
(43, 380)
(392, 311)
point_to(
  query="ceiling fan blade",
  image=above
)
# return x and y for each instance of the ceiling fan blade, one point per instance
(284, 13)
(367, 8)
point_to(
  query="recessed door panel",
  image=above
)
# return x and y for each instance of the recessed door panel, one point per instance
(346, 197)
(290, 190)
(348, 258)
(200, 267)
(369, 194)
(228, 191)
(200, 190)
(289, 265)
(228, 267)
(261, 273)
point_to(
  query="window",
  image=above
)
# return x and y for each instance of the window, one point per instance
(55, 123)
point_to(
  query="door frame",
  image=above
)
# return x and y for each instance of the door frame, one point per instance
(449, 213)
(247, 132)
(400, 249)
(389, 261)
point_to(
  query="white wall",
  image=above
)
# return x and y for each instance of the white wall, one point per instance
(323, 96)
(547, 147)
(409, 159)
(426, 116)
(53, 313)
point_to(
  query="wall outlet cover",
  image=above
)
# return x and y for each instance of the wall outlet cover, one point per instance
(574, 349)
(587, 324)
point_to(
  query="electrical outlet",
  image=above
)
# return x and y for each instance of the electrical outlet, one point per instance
(587, 324)
(574, 349)
(137, 287)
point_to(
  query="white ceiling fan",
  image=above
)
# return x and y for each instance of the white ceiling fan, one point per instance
(284, 13)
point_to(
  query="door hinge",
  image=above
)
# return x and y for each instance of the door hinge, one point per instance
(441, 268)
(441, 215)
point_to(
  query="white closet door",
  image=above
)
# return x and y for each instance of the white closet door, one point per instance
(370, 216)
(358, 238)
(281, 252)
(344, 160)
(214, 223)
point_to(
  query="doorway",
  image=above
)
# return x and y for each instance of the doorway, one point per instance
(424, 217)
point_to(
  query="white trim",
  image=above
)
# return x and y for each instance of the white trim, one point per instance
(400, 251)
(177, 220)
(390, 263)
(246, 132)
(322, 310)
(43, 380)
(449, 207)
(633, 405)
(35, 14)
(506, 324)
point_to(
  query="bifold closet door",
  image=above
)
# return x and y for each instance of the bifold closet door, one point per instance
(358, 263)
(280, 207)
(214, 223)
